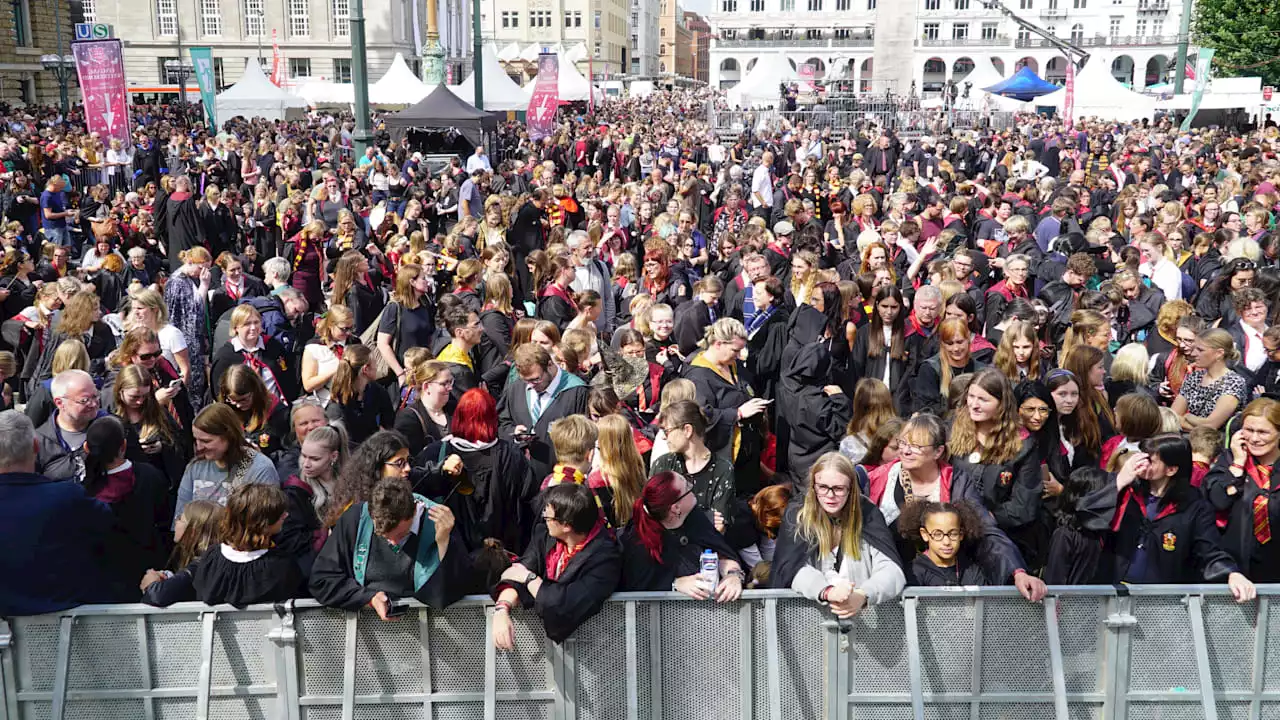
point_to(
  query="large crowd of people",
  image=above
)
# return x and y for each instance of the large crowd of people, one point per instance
(253, 364)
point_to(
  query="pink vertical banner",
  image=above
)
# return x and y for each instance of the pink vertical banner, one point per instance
(545, 98)
(1069, 105)
(277, 63)
(100, 65)
(807, 74)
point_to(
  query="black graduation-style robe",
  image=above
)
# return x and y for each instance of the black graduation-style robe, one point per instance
(681, 554)
(492, 498)
(333, 580)
(791, 553)
(274, 577)
(588, 579)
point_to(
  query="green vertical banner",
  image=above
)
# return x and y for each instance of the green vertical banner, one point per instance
(202, 61)
(1203, 60)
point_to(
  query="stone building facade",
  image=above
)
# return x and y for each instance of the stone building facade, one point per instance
(29, 29)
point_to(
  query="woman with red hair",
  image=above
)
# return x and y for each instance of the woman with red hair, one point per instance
(660, 283)
(482, 478)
(662, 545)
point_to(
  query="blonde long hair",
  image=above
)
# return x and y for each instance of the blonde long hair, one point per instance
(1005, 359)
(815, 527)
(621, 464)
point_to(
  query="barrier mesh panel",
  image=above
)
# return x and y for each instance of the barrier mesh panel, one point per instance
(699, 661)
(111, 638)
(34, 711)
(644, 675)
(36, 651)
(459, 711)
(525, 710)
(321, 639)
(1165, 711)
(241, 649)
(388, 654)
(1015, 649)
(1016, 711)
(457, 649)
(949, 711)
(320, 713)
(600, 649)
(103, 709)
(1080, 632)
(1077, 711)
(1270, 711)
(174, 708)
(525, 667)
(874, 711)
(240, 708)
(878, 652)
(800, 652)
(1271, 670)
(174, 647)
(946, 645)
(1229, 635)
(388, 711)
(1233, 711)
(1161, 654)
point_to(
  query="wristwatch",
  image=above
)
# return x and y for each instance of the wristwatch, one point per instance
(530, 577)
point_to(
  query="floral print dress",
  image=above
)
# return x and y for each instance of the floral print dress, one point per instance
(189, 315)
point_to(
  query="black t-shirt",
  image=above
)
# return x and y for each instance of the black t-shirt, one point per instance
(417, 326)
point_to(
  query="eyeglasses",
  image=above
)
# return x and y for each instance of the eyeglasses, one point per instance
(149, 356)
(939, 536)
(906, 448)
(84, 401)
(399, 463)
(832, 490)
(550, 518)
(346, 328)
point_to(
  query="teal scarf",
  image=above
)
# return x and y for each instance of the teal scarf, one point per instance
(425, 563)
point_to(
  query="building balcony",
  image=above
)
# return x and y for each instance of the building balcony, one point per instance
(795, 42)
(1053, 12)
(1105, 41)
(997, 41)
(1153, 6)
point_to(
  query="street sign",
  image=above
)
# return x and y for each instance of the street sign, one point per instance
(94, 31)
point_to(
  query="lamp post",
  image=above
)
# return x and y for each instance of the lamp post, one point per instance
(62, 66)
(182, 70)
(262, 28)
(359, 78)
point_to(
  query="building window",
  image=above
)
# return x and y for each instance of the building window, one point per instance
(844, 4)
(1157, 27)
(730, 34)
(1079, 4)
(931, 31)
(342, 70)
(815, 5)
(1053, 4)
(989, 31)
(662, 49)
(813, 34)
(210, 17)
(962, 4)
(299, 67)
(1024, 35)
(1142, 28)
(788, 5)
(871, 4)
(1077, 33)
(729, 6)
(341, 18)
(1115, 27)
(166, 18)
(299, 18)
(932, 4)
(757, 5)
(89, 8)
(843, 34)
(219, 76)
(960, 31)
(1025, 4)
(254, 22)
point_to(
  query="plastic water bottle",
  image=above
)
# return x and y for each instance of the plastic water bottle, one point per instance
(710, 563)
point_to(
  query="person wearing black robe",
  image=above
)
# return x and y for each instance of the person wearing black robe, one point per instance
(247, 567)
(691, 321)
(682, 548)
(492, 496)
(556, 393)
(766, 338)
(360, 565)
(823, 410)
(184, 229)
(527, 234)
(572, 565)
(722, 396)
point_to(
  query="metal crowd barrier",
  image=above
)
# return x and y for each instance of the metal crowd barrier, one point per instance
(1165, 653)
(906, 122)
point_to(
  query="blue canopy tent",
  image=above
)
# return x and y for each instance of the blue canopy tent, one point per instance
(1024, 85)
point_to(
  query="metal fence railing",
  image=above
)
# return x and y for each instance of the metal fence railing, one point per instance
(1150, 652)
(905, 122)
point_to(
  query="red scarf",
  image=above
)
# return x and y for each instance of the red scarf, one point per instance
(233, 290)
(1131, 494)
(557, 291)
(560, 555)
(253, 361)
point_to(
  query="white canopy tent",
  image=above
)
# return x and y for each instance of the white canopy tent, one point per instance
(984, 75)
(1222, 94)
(256, 96)
(577, 53)
(510, 53)
(759, 88)
(399, 86)
(530, 53)
(501, 93)
(324, 93)
(1099, 94)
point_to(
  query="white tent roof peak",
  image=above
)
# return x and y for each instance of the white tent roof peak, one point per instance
(399, 86)
(500, 91)
(510, 52)
(256, 96)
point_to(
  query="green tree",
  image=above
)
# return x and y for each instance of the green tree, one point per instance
(1246, 34)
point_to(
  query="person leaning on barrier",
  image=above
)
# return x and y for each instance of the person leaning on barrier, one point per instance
(1240, 484)
(1163, 531)
(50, 531)
(834, 546)
(662, 545)
(570, 568)
(396, 545)
(246, 567)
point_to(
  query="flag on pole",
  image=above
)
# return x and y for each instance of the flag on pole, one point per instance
(1069, 103)
(1190, 71)
(1203, 60)
(202, 61)
(277, 63)
(545, 99)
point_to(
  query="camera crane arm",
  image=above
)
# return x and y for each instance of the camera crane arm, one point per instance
(1074, 52)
